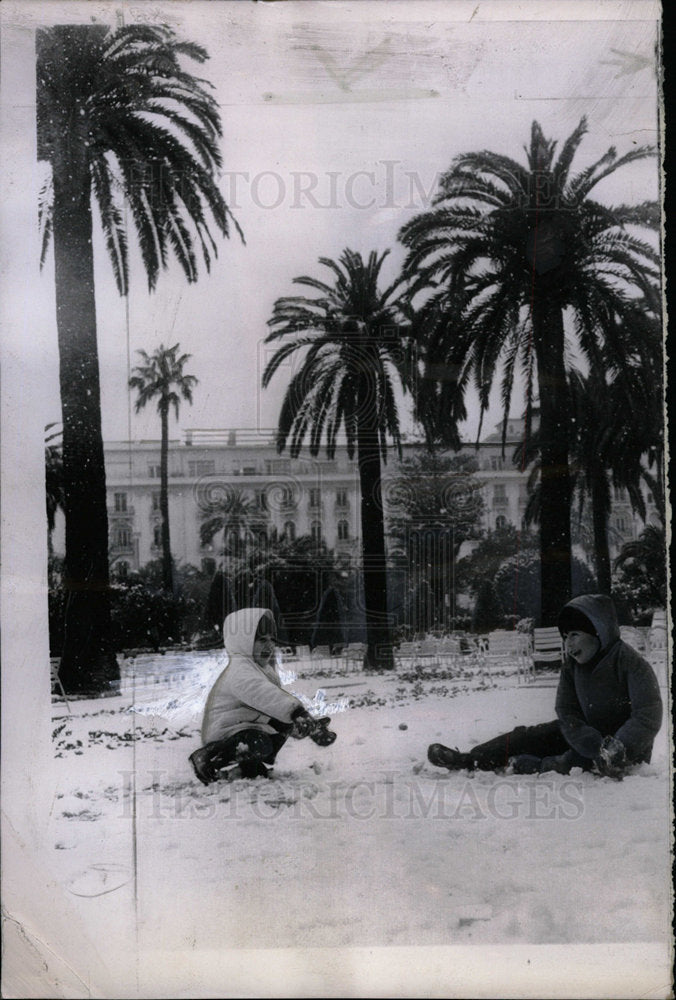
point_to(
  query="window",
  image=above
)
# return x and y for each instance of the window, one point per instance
(209, 566)
(290, 531)
(276, 465)
(157, 535)
(343, 531)
(315, 496)
(316, 531)
(499, 495)
(155, 501)
(501, 521)
(122, 538)
(120, 501)
(201, 468)
(154, 471)
(122, 569)
(497, 463)
(287, 498)
(620, 524)
(341, 498)
(249, 470)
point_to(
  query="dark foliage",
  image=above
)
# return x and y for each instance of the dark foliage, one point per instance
(488, 610)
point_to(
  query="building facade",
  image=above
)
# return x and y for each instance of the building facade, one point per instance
(303, 496)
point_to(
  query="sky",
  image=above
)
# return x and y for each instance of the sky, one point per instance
(337, 120)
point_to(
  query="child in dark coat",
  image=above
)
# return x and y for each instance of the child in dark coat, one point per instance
(608, 706)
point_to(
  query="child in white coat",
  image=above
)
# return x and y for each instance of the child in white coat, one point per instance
(248, 715)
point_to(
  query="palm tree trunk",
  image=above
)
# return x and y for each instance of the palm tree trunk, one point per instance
(167, 565)
(378, 638)
(600, 525)
(88, 663)
(556, 492)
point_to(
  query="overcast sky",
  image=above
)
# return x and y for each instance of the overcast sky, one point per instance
(337, 119)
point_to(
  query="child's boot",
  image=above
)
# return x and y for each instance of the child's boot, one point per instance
(442, 756)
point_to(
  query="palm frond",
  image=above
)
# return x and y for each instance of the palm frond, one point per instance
(152, 134)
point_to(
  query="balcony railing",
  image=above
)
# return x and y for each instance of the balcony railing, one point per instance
(121, 548)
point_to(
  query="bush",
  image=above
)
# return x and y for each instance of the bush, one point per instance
(140, 617)
(488, 612)
(487, 557)
(633, 604)
(517, 583)
(143, 617)
(641, 577)
(329, 627)
(461, 623)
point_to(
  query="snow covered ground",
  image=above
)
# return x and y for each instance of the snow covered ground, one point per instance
(362, 845)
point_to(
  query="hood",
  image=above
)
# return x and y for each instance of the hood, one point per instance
(600, 611)
(239, 630)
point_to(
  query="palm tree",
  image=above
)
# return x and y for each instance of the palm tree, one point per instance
(504, 256)
(435, 504)
(231, 511)
(642, 564)
(120, 123)
(608, 449)
(355, 340)
(160, 376)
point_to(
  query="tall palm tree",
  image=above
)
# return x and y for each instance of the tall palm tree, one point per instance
(504, 256)
(160, 376)
(354, 339)
(122, 124)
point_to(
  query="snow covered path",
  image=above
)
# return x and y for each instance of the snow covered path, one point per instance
(362, 844)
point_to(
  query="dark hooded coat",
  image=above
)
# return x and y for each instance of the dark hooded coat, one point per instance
(616, 694)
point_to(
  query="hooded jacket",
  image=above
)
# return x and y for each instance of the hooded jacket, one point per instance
(245, 695)
(616, 694)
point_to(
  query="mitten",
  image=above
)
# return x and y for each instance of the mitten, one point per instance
(612, 759)
(303, 725)
(322, 735)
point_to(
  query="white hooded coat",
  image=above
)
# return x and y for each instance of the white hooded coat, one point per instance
(245, 695)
